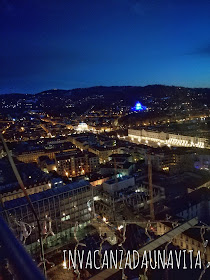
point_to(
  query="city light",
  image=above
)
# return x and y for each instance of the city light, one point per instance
(139, 107)
(120, 227)
(105, 170)
(64, 264)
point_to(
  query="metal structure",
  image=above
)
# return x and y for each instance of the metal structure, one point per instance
(17, 175)
(167, 237)
(152, 212)
(20, 261)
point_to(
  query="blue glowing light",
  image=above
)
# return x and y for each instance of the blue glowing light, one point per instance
(139, 107)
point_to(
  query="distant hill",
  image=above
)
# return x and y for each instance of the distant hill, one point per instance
(128, 93)
(81, 99)
(155, 90)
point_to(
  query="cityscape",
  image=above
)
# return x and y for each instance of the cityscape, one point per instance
(107, 176)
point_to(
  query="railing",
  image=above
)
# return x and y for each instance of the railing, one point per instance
(20, 262)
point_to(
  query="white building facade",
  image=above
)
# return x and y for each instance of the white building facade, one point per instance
(166, 139)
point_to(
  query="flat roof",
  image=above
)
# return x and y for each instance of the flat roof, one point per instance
(44, 194)
(120, 179)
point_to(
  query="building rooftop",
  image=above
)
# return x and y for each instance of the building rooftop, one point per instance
(76, 153)
(44, 194)
(120, 156)
(40, 146)
(29, 173)
(177, 205)
(177, 185)
(120, 179)
(195, 234)
(123, 165)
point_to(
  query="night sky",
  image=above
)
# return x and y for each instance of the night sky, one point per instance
(69, 44)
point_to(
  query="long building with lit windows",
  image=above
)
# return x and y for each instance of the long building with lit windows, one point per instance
(151, 137)
(76, 163)
(58, 210)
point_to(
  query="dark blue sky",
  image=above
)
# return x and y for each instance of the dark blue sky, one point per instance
(68, 44)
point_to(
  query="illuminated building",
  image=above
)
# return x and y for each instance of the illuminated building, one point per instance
(188, 240)
(104, 153)
(46, 164)
(50, 151)
(172, 161)
(33, 156)
(82, 127)
(111, 186)
(103, 148)
(99, 182)
(76, 163)
(139, 107)
(162, 139)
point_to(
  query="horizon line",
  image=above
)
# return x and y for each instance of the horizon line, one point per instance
(104, 87)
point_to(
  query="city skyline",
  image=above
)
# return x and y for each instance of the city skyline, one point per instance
(104, 139)
(49, 44)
